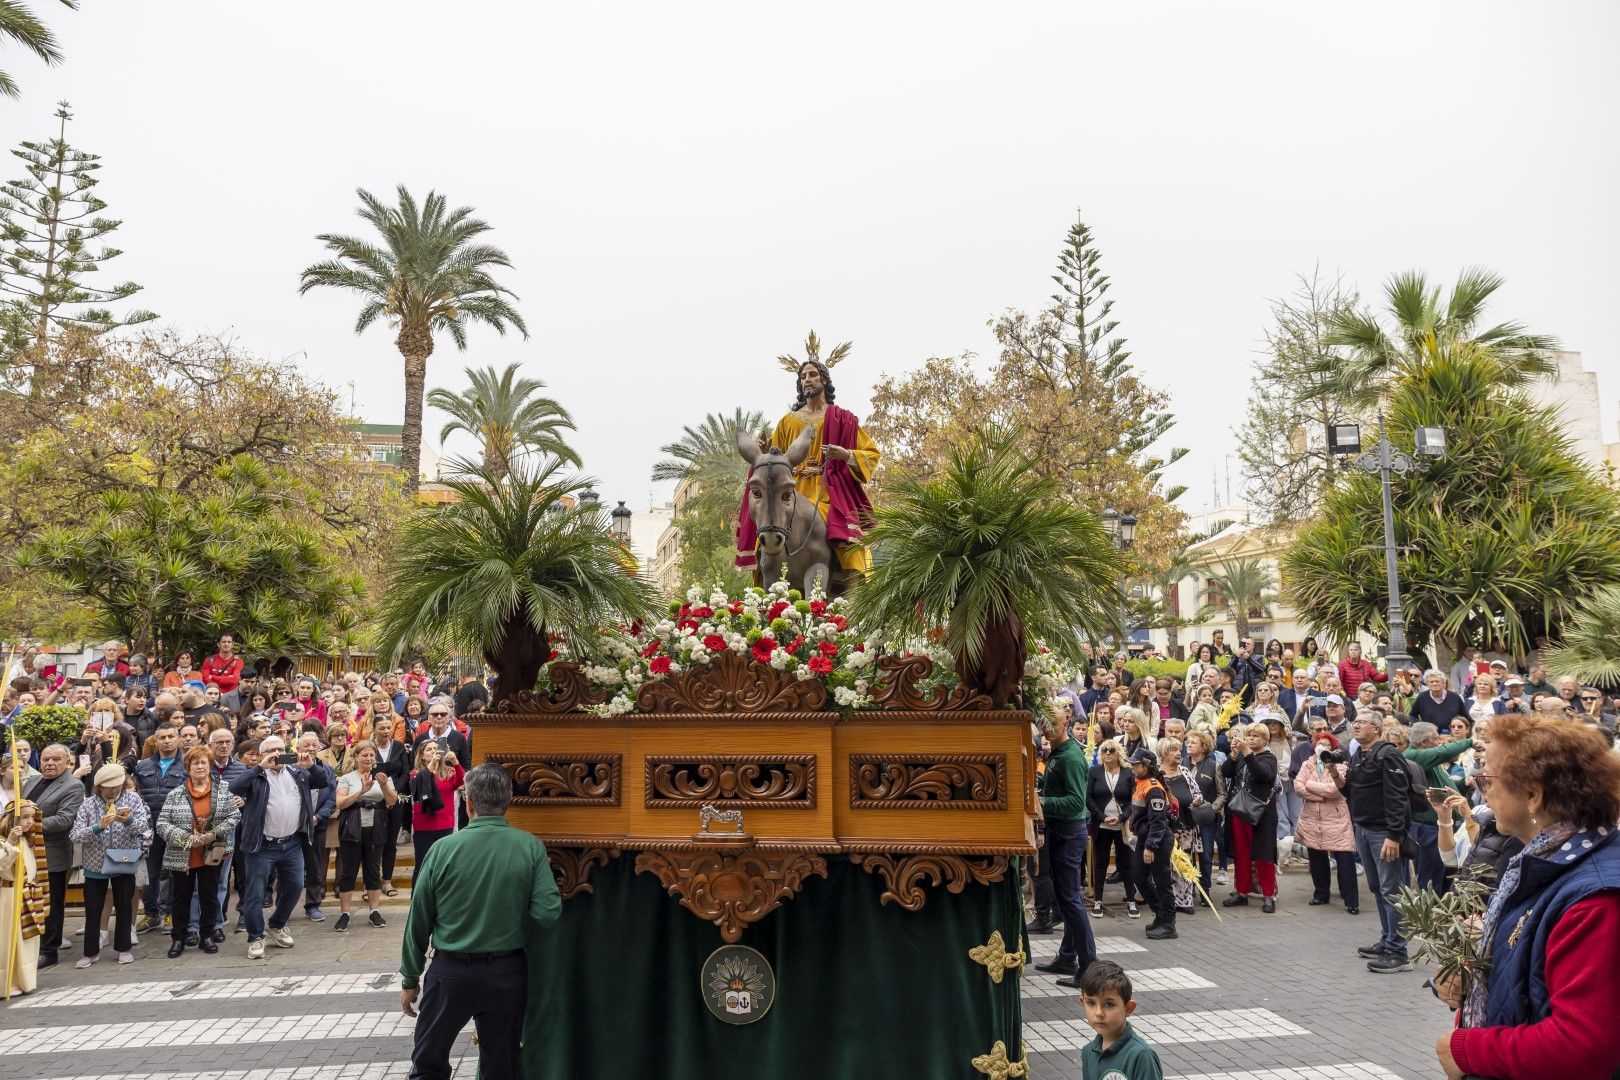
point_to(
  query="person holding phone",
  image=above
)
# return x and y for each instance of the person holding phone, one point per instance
(365, 797)
(111, 825)
(276, 824)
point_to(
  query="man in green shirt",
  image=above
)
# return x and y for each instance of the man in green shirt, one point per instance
(475, 895)
(1063, 805)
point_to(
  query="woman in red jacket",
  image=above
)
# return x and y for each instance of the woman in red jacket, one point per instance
(434, 784)
(1544, 1005)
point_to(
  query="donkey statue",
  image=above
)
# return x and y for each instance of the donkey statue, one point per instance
(791, 531)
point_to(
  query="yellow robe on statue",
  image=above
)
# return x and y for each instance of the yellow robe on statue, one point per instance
(26, 976)
(864, 459)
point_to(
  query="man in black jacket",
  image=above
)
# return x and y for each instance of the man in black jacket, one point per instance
(276, 824)
(1378, 788)
(58, 794)
(1248, 671)
(155, 777)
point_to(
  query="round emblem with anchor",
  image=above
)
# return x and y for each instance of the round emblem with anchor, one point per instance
(738, 984)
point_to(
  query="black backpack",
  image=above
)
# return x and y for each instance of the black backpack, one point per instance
(1417, 791)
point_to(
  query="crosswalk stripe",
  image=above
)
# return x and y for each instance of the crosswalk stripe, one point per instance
(1355, 1070)
(1141, 979)
(274, 986)
(464, 1069)
(1048, 946)
(1216, 1025)
(195, 1031)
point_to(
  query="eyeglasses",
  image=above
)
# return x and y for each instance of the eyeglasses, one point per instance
(1588, 700)
(1110, 751)
(438, 715)
(1483, 780)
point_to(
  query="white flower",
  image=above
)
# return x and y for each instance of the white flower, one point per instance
(694, 595)
(779, 588)
(664, 629)
(858, 661)
(779, 659)
(802, 673)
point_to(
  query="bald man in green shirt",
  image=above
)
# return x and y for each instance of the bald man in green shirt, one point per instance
(475, 895)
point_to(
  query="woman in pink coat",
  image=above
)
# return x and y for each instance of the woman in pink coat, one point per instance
(1324, 826)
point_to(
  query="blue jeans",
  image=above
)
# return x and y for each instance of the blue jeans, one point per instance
(1384, 878)
(224, 889)
(1066, 846)
(286, 858)
(1431, 872)
(1290, 804)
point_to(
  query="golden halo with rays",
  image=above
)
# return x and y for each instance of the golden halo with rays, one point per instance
(812, 351)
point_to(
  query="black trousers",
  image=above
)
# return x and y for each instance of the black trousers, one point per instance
(1102, 842)
(490, 993)
(1153, 881)
(50, 943)
(122, 887)
(398, 815)
(1349, 890)
(1045, 894)
(315, 860)
(204, 881)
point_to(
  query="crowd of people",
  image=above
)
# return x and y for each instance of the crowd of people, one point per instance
(1375, 780)
(192, 787)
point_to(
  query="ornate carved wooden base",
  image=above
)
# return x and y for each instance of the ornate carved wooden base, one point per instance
(732, 890)
(903, 874)
(572, 867)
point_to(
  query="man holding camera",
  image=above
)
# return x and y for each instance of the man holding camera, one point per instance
(276, 827)
(1378, 787)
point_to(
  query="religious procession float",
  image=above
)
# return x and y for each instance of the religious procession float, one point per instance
(786, 849)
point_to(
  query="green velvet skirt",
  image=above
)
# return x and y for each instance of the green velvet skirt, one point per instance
(862, 989)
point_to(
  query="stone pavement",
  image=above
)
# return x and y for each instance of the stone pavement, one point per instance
(1253, 997)
(1261, 997)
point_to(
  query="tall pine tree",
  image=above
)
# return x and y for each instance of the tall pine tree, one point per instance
(51, 228)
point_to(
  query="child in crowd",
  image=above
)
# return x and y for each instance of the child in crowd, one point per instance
(1117, 1053)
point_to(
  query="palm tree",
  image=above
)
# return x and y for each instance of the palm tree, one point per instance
(1244, 589)
(708, 452)
(1423, 324)
(1155, 611)
(990, 551)
(501, 412)
(22, 26)
(1590, 649)
(501, 569)
(427, 274)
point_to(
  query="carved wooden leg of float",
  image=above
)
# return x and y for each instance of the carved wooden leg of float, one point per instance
(572, 867)
(903, 874)
(731, 890)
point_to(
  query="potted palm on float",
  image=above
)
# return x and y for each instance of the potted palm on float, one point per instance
(505, 567)
(992, 554)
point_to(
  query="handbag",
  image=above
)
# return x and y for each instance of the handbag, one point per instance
(1247, 806)
(214, 854)
(119, 861)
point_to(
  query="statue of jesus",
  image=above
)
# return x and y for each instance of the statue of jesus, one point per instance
(839, 466)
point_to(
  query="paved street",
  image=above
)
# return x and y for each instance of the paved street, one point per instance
(1258, 997)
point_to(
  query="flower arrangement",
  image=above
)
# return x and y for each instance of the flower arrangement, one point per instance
(778, 626)
(808, 638)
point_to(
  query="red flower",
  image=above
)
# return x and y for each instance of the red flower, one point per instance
(659, 665)
(686, 609)
(794, 645)
(703, 613)
(777, 609)
(817, 607)
(828, 648)
(763, 649)
(651, 647)
(714, 642)
(860, 646)
(688, 624)
(837, 620)
(735, 607)
(551, 656)
(821, 665)
(635, 628)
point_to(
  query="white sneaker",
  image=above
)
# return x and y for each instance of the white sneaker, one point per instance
(1131, 910)
(1220, 877)
(107, 936)
(256, 949)
(280, 938)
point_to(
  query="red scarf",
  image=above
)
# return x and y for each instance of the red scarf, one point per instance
(849, 511)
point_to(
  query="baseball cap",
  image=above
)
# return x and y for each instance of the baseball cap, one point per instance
(1142, 755)
(1513, 680)
(1333, 699)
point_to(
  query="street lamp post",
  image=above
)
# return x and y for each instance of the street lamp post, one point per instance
(1428, 443)
(1122, 531)
(620, 526)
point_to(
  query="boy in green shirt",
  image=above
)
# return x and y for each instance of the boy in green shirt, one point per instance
(1117, 1053)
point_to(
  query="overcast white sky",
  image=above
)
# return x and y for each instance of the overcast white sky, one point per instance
(684, 190)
